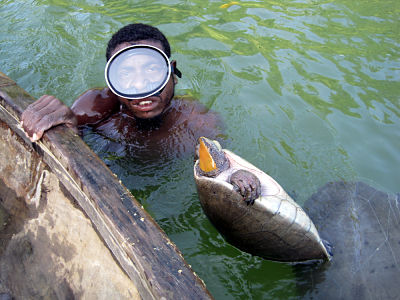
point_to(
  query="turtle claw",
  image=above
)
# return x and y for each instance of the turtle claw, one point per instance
(247, 185)
(249, 202)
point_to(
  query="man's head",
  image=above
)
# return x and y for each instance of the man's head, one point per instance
(134, 34)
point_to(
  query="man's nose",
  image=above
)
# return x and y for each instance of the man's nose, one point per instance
(139, 83)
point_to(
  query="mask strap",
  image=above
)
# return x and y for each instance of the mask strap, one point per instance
(176, 71)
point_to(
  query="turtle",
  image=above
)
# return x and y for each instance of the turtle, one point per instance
(363, 226)
(251, 210)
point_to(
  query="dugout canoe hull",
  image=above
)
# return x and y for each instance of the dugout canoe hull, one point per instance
(70, 229)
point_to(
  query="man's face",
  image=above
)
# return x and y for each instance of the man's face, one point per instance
(152, 106)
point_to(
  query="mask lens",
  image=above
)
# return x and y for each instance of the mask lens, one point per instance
(138, 71)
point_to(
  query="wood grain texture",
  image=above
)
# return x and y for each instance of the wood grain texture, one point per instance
(139, 245)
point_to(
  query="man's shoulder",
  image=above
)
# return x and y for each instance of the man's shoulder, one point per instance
(94, 105)
(96, 94)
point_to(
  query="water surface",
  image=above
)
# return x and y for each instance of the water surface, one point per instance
(308, 90)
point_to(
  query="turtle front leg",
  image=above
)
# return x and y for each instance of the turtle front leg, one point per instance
(246, 184)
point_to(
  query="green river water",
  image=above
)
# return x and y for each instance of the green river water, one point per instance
(308, 90)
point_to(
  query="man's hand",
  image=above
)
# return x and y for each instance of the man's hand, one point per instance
(44, 114)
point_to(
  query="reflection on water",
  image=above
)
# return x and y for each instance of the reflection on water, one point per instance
(308, 91)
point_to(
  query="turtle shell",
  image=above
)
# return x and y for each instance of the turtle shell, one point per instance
(363, 224)
(275, 227)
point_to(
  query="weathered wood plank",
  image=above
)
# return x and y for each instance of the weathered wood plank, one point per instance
(49, 249)
(142, 249)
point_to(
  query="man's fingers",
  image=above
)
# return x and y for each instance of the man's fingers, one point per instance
(47, 112)
(36, 111)
(42, 102)
(50, 120)
(35, 107)
(36, 136)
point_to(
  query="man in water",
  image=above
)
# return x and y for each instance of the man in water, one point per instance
(125, 111)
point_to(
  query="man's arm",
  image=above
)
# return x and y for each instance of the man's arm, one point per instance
(48, 111)
(45, 113)
(94, 105)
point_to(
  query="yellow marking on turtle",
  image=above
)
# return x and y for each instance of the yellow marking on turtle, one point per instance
(206, 162)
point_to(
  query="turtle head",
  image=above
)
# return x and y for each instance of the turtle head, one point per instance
(212, 160)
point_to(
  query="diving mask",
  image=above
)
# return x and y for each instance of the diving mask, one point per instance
(138, 71)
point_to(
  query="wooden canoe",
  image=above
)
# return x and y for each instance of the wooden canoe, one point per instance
(70, 229)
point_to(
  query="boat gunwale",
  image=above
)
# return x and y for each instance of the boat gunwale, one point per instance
(139, 245)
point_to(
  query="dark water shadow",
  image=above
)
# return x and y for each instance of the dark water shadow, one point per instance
(363, 225)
